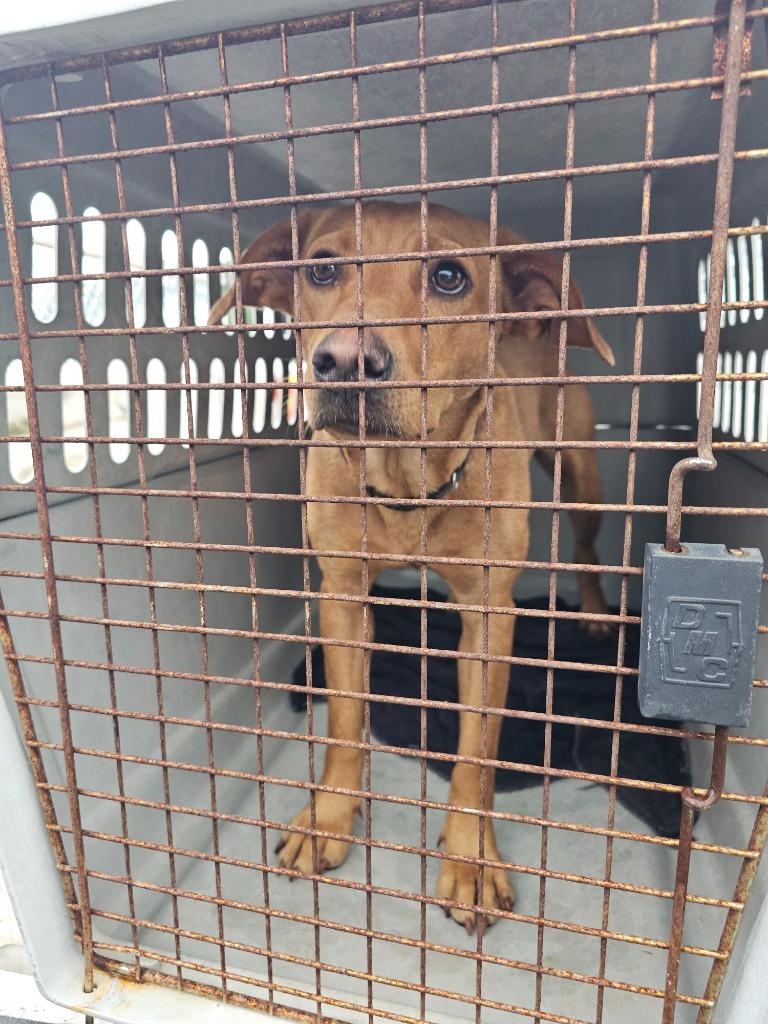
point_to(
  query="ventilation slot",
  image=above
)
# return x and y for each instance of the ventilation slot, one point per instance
(73, 420)
(703, 280)
(94, 262)
(292, 405)
(119, 412)
(237, 401)
(260, 397)
(730, 281)
(744, 279)
(758, 270)
(226, 281)
(188, 398)
(19, 452)
(750, 399)
(276, 411)
(201, 285)
(157, 405)
(737, 410)
(699, 368)
(216, 396)
(171, 283)
(741, 406)
(725, 409)
(718, 404)
(745, 283)
(137, 262)
(287, 332)
(45, 260)
(708, 271)
(268, 317)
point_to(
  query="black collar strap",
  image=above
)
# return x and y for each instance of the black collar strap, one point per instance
(448, 486)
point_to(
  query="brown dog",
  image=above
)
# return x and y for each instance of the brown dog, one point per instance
(525, 281)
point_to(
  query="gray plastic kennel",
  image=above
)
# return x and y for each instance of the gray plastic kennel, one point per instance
(181, 567)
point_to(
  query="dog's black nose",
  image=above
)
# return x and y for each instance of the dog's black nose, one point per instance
(336, 357)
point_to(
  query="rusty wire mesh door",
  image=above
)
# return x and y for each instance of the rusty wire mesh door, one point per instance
(159, 583)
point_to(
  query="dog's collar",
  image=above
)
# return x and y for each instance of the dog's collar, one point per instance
(450, 485)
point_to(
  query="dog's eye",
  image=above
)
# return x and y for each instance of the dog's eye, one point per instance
(323, 273)
(449, 278)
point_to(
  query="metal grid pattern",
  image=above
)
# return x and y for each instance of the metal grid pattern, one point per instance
(210, 959)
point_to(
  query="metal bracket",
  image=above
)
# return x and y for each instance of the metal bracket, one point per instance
(720, 48)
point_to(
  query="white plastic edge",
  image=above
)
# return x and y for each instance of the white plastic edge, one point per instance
(28, 866)
(745, 993)
(50, 31)
(48, 13)
(29, 869)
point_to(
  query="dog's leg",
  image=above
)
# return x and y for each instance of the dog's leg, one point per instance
(580, 483)
(459, 881)
(335, 812)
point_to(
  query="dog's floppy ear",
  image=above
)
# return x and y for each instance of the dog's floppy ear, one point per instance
(270, 286)
(533, 282)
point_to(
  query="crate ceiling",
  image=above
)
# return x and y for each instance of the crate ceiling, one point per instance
(607, 131)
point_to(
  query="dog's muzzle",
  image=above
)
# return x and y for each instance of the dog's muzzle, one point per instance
(337, 360)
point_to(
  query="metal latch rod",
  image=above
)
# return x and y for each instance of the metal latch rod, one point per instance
(704, 459)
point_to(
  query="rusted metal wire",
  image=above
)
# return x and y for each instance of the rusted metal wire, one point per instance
(249, 505)
(469, 318)
(750, 855)
(563, 773)
(383, 12)
(434, 503)
(335, 926)
(291, 134)
(631, 470)
(385, 981)
(38, 768)
(655, 730)
(129, 953)
(141, 464)
(691, 804)
(341, 883)
(705, 460)
(54, 617)
(730, 932)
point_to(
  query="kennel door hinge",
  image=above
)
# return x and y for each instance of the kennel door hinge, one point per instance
(699, 633)
(720, 47)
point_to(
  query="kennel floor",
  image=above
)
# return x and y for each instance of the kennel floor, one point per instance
(391, 974)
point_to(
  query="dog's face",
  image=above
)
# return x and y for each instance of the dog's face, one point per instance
(394, 291)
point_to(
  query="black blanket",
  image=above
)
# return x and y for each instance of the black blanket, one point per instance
(578, 693)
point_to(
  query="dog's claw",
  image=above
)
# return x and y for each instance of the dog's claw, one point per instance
(281, 845)
(506, 903)
(469, 924)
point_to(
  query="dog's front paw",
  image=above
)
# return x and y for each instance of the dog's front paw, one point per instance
(334, 813)
(593, 603)
(458, 882)
(598, 629)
